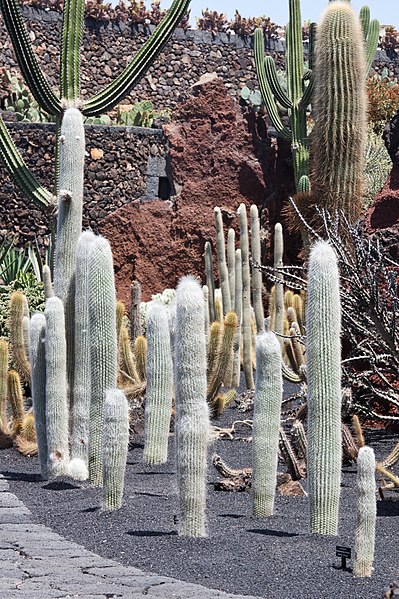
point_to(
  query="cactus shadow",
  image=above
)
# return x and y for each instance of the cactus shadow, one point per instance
(22, 476)
(60, 485)
(272, 533)
(231, 516)
(388, 507)
(151, 533)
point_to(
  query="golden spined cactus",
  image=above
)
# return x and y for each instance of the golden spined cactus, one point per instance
(218, 308)
(127, 364)
(120, 313)
(19, 354)
(140, 354)
(16, 402)
(215, 340)
(288, 298)
(219, 372)
(25, 443)
(4, 358)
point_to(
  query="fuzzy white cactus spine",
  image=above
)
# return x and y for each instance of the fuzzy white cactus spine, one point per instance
(56, 388)
(246, 298)
(366, 513)
(37, 355)
(192, 413)
(115, 446)
(221, 253)
(256, 273)
(80, 421)
(69, 224)
(278, 319)
(267, 408)
(103, 346)
(323, 347)
(159, 392)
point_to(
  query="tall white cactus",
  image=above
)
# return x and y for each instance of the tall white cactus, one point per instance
(366, 513)
(192, 413)
(323, 347)
(37, 356)
(115, 446)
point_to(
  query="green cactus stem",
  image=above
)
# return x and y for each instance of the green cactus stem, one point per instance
(38, 385)
(103, 347)
(192, 414)
(256, 272)
(159, 391)
(136, 329)
(267, 408)
(339, 135)
(18, 351)
(246, 297)
(366, 513)
(222, 264)
(115, 446)
(323, 350)
(56, 388)
(80, 413)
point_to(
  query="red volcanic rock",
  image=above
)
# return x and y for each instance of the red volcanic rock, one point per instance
(213, 164)
(384, 212)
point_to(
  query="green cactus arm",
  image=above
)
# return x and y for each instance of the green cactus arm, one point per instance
(265, 90)
(72, 29)
(26, 58)
(364, 18)
(121, 86)
(312, 40)
(20, 173)
(294, 56)
(307, 94)
(371, 43)
(275, 86)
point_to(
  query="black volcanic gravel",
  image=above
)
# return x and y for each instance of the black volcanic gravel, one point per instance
(275, 558)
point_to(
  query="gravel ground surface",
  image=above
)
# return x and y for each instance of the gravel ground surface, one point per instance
(274, 558)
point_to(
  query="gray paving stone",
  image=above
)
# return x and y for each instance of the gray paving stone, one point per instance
(9, 500)
(10, 515)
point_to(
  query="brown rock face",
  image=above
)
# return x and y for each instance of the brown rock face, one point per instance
(213, 164)
(384, 212)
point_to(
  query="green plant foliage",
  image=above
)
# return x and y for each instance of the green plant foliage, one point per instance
(34, 292)
(378, 165)
(142, 114)
(20, 101)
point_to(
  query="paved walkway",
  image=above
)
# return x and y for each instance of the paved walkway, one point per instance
(35, 562)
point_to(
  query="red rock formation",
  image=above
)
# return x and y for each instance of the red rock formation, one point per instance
(384, 212)
(213, 164)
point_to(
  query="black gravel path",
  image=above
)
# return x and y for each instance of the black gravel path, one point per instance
(274, 558)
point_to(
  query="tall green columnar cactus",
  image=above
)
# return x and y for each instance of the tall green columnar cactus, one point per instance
(267, 408)
(53, 103)
(210, 282)
(56, 388)
(222, 264)
(278, 318)
(323, 350)
(192, 413)
(69, 225)
(256, 273)
(159, 391)
(115, 446)
(246, 297)
(366, 513)
(38, 385)
(103, 347)
(339, 108)
(80, 417)
(297, 97)
(371, 35)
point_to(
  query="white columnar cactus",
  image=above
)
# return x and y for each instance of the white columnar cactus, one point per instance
(238, 311)
(256, 273)
(246, 297)
(159, 391)
(366, 513)
(56, 389)
(37, 356)
(210, 281)
(192, 413)
(80, 421)
(221, 253)
(231, 264)
(115, 446)
(278, 318)
(266, 422)
(323, 348)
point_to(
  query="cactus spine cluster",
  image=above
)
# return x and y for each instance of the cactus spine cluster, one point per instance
(267, 408)
(159, 392)
(37, 356)
(56, 388)
(323, 348)
(103, 346)
(192, 414)
(339, 108)
(115, 446)
(366, 513)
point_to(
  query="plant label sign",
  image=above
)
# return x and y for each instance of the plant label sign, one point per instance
(344, 553)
